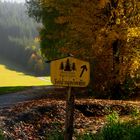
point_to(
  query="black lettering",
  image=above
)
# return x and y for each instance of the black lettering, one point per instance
(70, 83)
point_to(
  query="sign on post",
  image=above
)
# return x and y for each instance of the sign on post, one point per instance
(70, 72)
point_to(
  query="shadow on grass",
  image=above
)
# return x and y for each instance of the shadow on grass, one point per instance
(13, 66)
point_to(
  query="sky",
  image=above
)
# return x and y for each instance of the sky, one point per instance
(14, 0)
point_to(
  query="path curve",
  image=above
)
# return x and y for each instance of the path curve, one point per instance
(8, 100)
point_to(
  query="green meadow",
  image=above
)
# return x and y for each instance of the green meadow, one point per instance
(12, 75)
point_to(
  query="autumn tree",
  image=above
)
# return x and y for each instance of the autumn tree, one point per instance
(100, 31)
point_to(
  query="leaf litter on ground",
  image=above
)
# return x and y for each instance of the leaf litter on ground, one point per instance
(36, 119)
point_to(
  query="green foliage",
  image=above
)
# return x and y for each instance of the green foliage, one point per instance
(115, 129)
(128, 87)
(1, 135)
(87, 136)
(122, 131)
(5, 90)
(113, 117)
(135, 133)
(126, 90)
(135, 113)
(55, 135)
(52, 33)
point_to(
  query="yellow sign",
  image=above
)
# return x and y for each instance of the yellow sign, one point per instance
(71, 72)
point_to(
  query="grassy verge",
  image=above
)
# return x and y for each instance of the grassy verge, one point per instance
(5, 90)
(12, 75)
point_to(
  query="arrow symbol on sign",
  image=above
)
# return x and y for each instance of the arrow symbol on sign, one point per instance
(84, 68)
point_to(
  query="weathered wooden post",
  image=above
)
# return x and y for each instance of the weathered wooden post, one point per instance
(69, 115)
(70, 72)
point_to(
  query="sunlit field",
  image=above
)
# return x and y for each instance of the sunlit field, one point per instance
(13, 78)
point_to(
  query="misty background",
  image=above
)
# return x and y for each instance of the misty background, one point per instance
(18, 1)
(19, 41)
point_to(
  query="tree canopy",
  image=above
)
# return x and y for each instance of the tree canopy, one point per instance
(104, 32)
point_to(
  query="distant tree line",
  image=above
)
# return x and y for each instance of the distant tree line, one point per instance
(19, 40)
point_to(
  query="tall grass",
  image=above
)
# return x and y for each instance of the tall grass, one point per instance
(115, 130)
(55, 135)
(1, 135)
(121, 131)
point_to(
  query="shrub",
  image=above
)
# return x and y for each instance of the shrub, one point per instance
(87, 136)
(135, 113)
(55, 135)
(129, 87)
(114, 129)
(113, 118)
(1, 135)
(135, 133)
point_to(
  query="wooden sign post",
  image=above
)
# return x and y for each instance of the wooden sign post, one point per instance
(69, 115)
(70, 72)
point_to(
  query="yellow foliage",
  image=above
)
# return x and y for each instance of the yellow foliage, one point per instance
(102, 3)
(133, 32)
(93, 27)
(37, 39)
(135, 66)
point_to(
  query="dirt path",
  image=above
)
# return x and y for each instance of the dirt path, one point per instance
(33, 113)
(34, 119)
(8, 100)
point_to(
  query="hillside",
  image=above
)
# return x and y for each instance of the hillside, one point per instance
(19, 38)
(13, 75)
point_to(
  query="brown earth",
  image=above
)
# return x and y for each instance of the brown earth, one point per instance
(35, 119)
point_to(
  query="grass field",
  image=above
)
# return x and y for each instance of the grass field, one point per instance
(11, 75)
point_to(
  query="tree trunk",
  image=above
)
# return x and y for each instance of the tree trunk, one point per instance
(116, 69)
